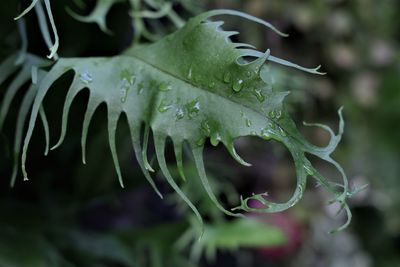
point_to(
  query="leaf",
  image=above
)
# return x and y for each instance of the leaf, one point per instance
(140, 11)
(191, 86)
(43, 24)
(98, 15)
(235, 234)
(28, 69)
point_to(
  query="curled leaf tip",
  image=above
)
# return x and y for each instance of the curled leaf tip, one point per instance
(29, 8)
(235, 155)
(348, 220)
(357, 190)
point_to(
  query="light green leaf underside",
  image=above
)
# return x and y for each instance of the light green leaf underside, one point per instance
(53, 47)
(191, 86)
(25, 70)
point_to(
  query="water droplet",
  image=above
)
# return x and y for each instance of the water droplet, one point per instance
(211, 85)
(248, 122)
(190, 74)
(265, 134)
(282, 132)
(205, 126)
(227, 77)
(140, 88)
(86, 77)
(180, 113)
(259, 95)
(272, 114)
(193, 107)
(248, 74)
(164, 106)
(308, 169)
(238, 85)
(124, 94)
(278, 114)
(125, 85)
(164, 87)
(271, 125)
(128, 77)
(215, 138)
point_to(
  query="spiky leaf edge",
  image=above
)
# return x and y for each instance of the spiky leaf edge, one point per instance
(302, 171)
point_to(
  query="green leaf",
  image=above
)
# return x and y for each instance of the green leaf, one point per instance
(193, 85)
(43, 24)
(235, 234)
(98, 15)
(27, 70)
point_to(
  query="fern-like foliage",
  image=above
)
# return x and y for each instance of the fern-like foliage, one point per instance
(190, 86)
(141, 10)
(26, 70)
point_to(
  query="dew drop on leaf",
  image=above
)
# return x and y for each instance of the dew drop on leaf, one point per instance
(205, 127)
(272, 126)
(278, 114)
(86, 77)
(282, 132)
(265, 134)
(259, 95)
(193, 107)
(164, 106)
(190, 74)
(180, 113)
(164, 87)
(238, 85)
(128, 76)
(124, 94)
(215, 138)
(248, 122)
(140, 88)
(248, 74)
(227, 77)
(211, 85)
(272, 114)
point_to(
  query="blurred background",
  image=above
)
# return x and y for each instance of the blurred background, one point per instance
(70, 214)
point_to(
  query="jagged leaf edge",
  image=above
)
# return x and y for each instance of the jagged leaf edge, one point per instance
(300, 170)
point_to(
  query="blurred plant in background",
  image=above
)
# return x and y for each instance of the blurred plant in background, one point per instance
(90, 221)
